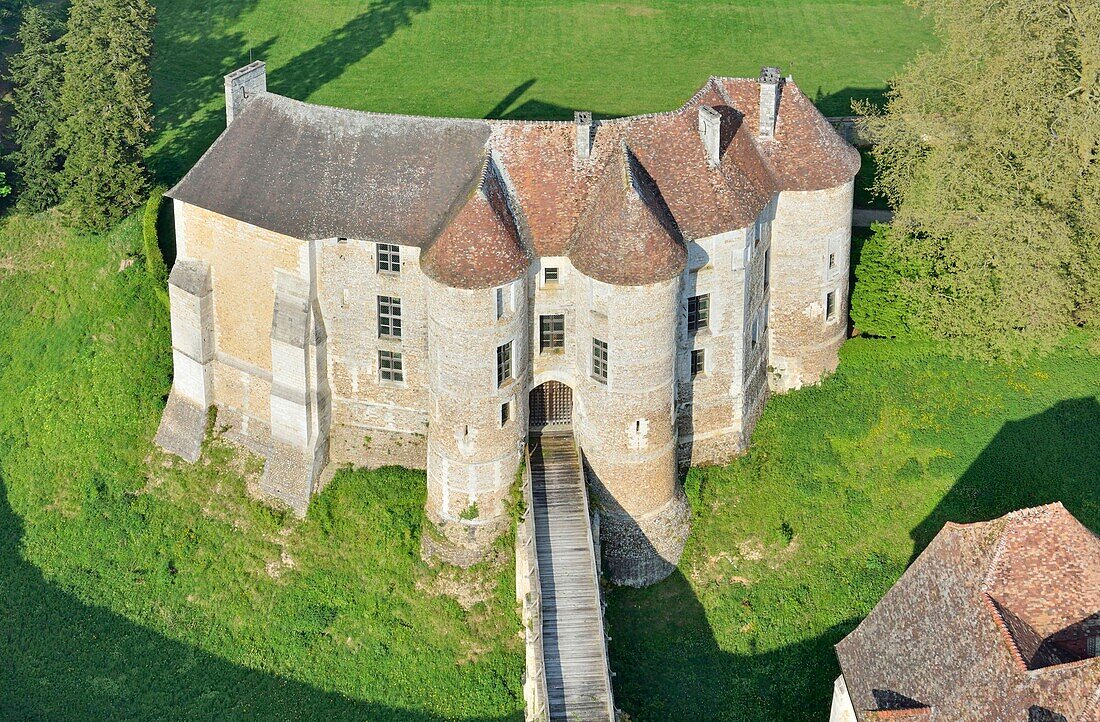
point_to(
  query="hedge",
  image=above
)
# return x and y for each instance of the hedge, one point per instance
(154, 259)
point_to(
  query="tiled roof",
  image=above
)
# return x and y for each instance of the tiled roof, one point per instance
(626, 232)
(480, 246)
(312, 172)
(989, 623)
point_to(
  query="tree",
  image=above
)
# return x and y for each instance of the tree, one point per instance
(35, 74)
(106, 108)
(989, 150)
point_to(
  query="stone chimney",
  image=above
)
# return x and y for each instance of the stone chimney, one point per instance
(771, 85)
(242, 85)
(710, 131)
(583, 122)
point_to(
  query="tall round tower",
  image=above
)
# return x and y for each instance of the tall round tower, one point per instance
(478, 367)
(633, 258)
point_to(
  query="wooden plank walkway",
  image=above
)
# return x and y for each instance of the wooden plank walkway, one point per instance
(574, 650)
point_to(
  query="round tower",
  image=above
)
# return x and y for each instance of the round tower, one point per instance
(810, 251)
(478, 369)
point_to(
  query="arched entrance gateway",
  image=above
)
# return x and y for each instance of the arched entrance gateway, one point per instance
(551, 406)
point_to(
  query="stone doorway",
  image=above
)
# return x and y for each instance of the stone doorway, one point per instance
(551, 406)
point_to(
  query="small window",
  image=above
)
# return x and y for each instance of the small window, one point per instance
(505, 412)
(500, 302)
(504, 363)
(755, 330)
(389, 258)
(698, 362)
(599, 360)
(551, 333)
(389, 366)
(698, 312)
(389, 317)
(550, 275)
(832, 260)
(830, 305)
(767, 267)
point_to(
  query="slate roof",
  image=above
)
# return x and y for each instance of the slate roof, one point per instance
(313, 172)
(989, 623)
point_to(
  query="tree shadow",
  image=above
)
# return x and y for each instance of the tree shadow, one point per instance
(193, 53)
(63, 659)
(839, 103)
(1051, 456)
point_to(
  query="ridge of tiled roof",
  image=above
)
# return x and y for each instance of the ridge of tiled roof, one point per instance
(626, 235)
(888, 714)
(480, 246)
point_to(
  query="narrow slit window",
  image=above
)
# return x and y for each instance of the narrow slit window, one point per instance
(551, 333)
(505, 412)
(832, 260)
(504, 364)
(767, 268)
(830, 306)
(389, 257)
(389, 317)
(698, 312)
(390, 367)
(599, 360)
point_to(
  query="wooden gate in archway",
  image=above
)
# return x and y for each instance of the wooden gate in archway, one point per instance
(551, 405)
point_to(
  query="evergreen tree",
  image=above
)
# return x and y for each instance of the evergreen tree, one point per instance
(106, 108)
(989, 150)
(35, 74)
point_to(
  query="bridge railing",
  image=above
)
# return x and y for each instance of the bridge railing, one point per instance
(599, 595)
(529, 594)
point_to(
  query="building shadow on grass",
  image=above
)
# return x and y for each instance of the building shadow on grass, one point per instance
(63, 659)
(1051, 456)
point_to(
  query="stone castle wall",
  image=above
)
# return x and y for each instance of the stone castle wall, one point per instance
(636, 431)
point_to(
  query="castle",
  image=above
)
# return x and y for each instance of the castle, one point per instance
(372, 289)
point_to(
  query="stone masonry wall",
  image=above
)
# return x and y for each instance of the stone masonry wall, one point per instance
(809, 227)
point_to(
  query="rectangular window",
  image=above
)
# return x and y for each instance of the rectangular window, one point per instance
(698, 312)
(389, 257)
(504, 363)
(698, 362)
(755, 330)
(505, 413)
(389, 317)
(767, 267)
(832, 260)
(550, 275)
(830, 305)
(599, 360)
(500, 302)
(551, 333)
(389, 366)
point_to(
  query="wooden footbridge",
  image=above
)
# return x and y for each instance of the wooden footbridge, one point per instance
(567, 671)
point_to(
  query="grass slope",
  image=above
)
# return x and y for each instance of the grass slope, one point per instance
(845, 483)
(137, 587)
(511, 58)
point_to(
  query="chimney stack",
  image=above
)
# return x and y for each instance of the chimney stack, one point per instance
(771, 85)
(583, 122)
(710, 131)
(243, 85)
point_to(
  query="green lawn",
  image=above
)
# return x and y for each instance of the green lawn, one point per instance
(136, 587)
(511, 58)
(794, 543)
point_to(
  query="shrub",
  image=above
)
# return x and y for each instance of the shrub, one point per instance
(154, 259)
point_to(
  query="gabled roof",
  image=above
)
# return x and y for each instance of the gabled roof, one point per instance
(938, 637)
(312, 172)
(626, 232)
(480, 246)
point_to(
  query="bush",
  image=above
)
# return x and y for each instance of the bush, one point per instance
(154, 259)
(881, 305)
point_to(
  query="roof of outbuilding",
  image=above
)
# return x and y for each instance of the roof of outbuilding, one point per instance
(987, 624)
(314, 172)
